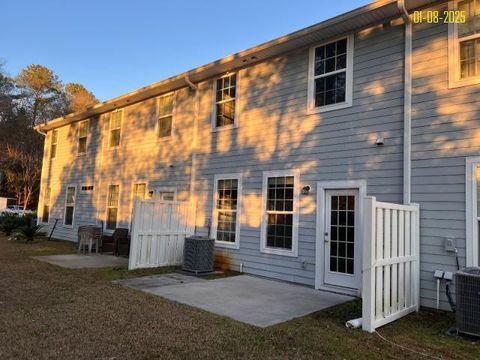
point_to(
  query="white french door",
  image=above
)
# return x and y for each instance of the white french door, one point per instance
(342, 239)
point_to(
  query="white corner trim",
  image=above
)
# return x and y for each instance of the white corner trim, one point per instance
(472, 243)
(296, 210)
(311, 109)
(322, 187)
(225, 244)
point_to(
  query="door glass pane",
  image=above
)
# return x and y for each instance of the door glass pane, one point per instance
(342, 234)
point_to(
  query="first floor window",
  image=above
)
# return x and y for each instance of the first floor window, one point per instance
(280, 212)
(46, 205)
(70, 205)
(165, 115)
(112, 206)
(139, 191)
(225, 99)
(227, 194)
(166, 195)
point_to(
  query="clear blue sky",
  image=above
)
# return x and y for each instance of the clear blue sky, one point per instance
(113, 47)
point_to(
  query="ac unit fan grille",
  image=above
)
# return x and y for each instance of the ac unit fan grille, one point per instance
(468, 300)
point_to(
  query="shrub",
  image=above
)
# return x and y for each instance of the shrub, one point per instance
(29, 230)
(10, 222)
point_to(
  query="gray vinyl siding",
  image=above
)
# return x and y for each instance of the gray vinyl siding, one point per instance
(276, 133)
(444, 132)
(141, 157)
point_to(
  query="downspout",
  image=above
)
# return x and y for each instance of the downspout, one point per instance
(193, 172)
(407, 121)
(407, 105)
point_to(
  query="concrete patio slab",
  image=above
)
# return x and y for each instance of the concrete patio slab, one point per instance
(145, 283)
(252, 300)
(76, 261)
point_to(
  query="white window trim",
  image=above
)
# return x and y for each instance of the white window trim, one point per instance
(40, 218)
(87, 191)
(74, 206)
(110, 231)
(56, 144)
(472, 245)
(214, 103)
(121, 129)
(454, 80)
(157, 116)
(296, 208)
(226, 244)
(311, 109)
(156, 190)
(78, 137)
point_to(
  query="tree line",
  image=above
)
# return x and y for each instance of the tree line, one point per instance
(34, 96)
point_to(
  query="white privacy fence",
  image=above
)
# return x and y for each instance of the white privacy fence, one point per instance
(158, 232)
(391, 259)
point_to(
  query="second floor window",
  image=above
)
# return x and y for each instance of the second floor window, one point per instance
(330, 75)
(82, 137)
(53, 144)
(469, 39)
(165, 115)
(115, 128)
(225, 98)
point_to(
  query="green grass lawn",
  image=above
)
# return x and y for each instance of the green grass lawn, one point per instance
(47, 312)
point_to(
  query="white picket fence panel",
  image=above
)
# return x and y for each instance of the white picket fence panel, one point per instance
(158, 232)
(391, 262)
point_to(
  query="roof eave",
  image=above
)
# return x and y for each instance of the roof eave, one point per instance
(365, 16)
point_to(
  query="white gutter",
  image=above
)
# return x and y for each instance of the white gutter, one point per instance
(37, 129)
(407, 105)
(193, 171)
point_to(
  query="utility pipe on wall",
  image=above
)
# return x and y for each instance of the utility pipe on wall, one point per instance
(193, 171)
(407, 105)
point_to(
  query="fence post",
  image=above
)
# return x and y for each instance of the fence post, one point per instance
(133, 235)
(368, 274)
(417, 253)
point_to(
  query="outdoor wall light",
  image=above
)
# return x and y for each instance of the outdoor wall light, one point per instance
(380, 141)
(306, 190)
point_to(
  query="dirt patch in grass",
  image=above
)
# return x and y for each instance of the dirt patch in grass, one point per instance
(48, 312)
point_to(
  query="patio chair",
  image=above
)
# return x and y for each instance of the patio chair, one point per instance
(110, 243)
(90, 236)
